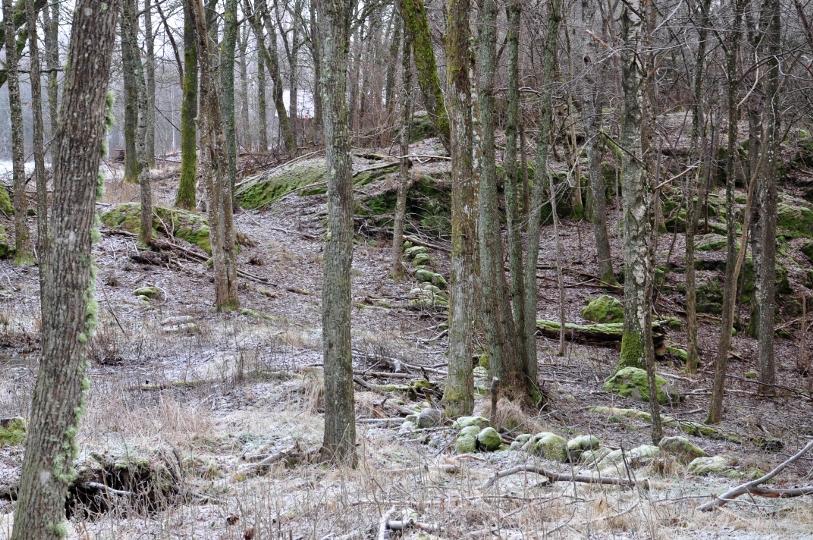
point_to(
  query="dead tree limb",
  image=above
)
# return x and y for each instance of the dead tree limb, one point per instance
(752, 486)
(566, 477)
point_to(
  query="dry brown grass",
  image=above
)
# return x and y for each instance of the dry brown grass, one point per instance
(511, 417)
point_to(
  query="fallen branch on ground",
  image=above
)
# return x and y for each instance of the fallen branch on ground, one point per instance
(566, 477)
(753, 489)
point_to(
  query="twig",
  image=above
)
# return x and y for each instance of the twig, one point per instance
(748, 487)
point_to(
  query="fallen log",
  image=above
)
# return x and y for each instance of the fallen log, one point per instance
(598, 333)
(553, 476)
(753, 488)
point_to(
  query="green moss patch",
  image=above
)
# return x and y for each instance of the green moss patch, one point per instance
(174, 222)
(604, 309)
(632, 382)
(12, 431)
(6, 248)
(794, 218)
(5, 202)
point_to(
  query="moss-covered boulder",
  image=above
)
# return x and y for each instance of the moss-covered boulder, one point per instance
(466, 441)
(710, 297)
(632, 382)
(578, 445)
(427, 276)
(489, 439)
(174, 222)
(149, 292)
(616, 461)
(305, 177)
(413, 251)
(604, 309)
(715, 465)
(430, 417)
(711, 242)
(794, 218)
(807, 250)
(682, 448)
(592, 457)
(548, 445)
(520, 441)
(467, 421)
(12, 431)
(6, 247)
(5, 202)
(428, 296)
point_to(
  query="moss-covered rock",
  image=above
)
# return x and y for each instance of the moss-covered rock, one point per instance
(617, 413)
(5, 202)
(428, 296)
(578, 445)
(422, 259)
(6, 248)
(794, 218)
(489, 439)
(429, 418)
(413, 251)
(807, 250)
(604, 309)
(174, 222)
(465, 444)
(548, 445)
(632, 382)
(591, 457)
(427, 276)
(466, 421)
(678, 353)
(715, 465)
(616, 461)
(682, 448)
(520, 441)
(150, 292)
(421, 127)
(711, 242)
(12, 431)
(710, 297)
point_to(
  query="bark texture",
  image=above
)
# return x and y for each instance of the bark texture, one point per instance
(189, 111)
(403, 173)
(69, 312)
(340, 423)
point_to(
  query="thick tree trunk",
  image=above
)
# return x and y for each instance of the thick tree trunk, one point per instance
(128, 74)
(246, 134)
(22, 236)
(215, 175)
(403, 173)
(69, 312)
(340, 423)
(730, 290)
(38, 136)
(537, 199)
(766, 269)
(634, 181)
(417, 23)
(513, 173)
(189, 112)
(506, 362)
(316, 48)
(458, 394)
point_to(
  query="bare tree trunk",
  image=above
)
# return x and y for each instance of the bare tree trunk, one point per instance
(506, 362)
(513, 171)
(189, 112)
(51, 34)
(692, 183)
(403, 176)
(316, 48)
(458, 396)
(766, 269)
(246, 133)
(228, 48)
(395, 43)
(730, 290)
(149, 82)
(262, 112)
(340, 423)
(636, 198)
(537, 199)
(215, 176)
(41, 180)
(414, 13)
(22, 236)
(69, 312)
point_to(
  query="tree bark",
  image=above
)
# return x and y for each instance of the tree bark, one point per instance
(403, 173)
(730, 289)
(246, 134)
(189, 112)
(513, 172)
(38, 137)
(69, 313)
(228, 48)
(340, 424)
(51, 16)
(262, 111)
(414, 13)
(766, 268)
(458, 394)
(149, 82)
(22, 236)
(505, 359)
(537, 199)
(215, 175)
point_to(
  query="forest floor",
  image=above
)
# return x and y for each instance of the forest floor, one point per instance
(214, 393)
